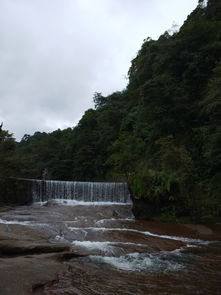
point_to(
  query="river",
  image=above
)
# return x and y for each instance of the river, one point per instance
(116, 254)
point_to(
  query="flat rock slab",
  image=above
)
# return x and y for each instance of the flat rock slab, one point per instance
(13, 247)
(24, 266)
(22, 240)
(194, 231)
(21, 232)
(24, 275)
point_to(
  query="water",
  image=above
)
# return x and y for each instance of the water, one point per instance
(120, 254)
(80, 191)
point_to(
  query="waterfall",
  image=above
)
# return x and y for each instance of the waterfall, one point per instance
(44, 190)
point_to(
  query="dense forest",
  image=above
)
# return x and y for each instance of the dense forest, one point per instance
(162, 134)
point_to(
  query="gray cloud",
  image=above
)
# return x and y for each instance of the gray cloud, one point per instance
(54, 54)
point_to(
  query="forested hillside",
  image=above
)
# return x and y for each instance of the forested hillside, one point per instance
(162, 134)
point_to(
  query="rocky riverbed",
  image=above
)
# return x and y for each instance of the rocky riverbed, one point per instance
(98, 248)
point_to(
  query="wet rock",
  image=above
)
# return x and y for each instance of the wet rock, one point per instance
(14, 248)
(209, 219)
(119, 244)
(122, 212)
(22, 240)
(200, 230)
(25, 260)
(71, 255)
(4, 208)
(20, 275)
(50, 203)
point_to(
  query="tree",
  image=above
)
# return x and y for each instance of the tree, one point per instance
(8, 164)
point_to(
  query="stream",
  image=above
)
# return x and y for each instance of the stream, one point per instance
(120, 255)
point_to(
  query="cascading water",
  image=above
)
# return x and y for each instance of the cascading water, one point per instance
(110, 252)
(44, 190)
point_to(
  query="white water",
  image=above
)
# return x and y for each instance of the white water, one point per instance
(146, 233)
(102, 221)
(27, 223)
(67, 202)
(106, 246)
(3, 221)
(124, 256)
(138, 262)
(119, 250)
(80, 191)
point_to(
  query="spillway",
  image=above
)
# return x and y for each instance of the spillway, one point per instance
(44, 190)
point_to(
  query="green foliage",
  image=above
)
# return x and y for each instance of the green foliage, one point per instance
(52, 151)
(168, 214)
(153, 184)
(174, 158)
(8, 166)
(7, 148)
(126, 151)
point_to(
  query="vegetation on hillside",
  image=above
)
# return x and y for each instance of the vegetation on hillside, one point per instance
(162, 134)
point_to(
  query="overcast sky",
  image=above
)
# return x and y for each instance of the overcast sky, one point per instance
(54, 54)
